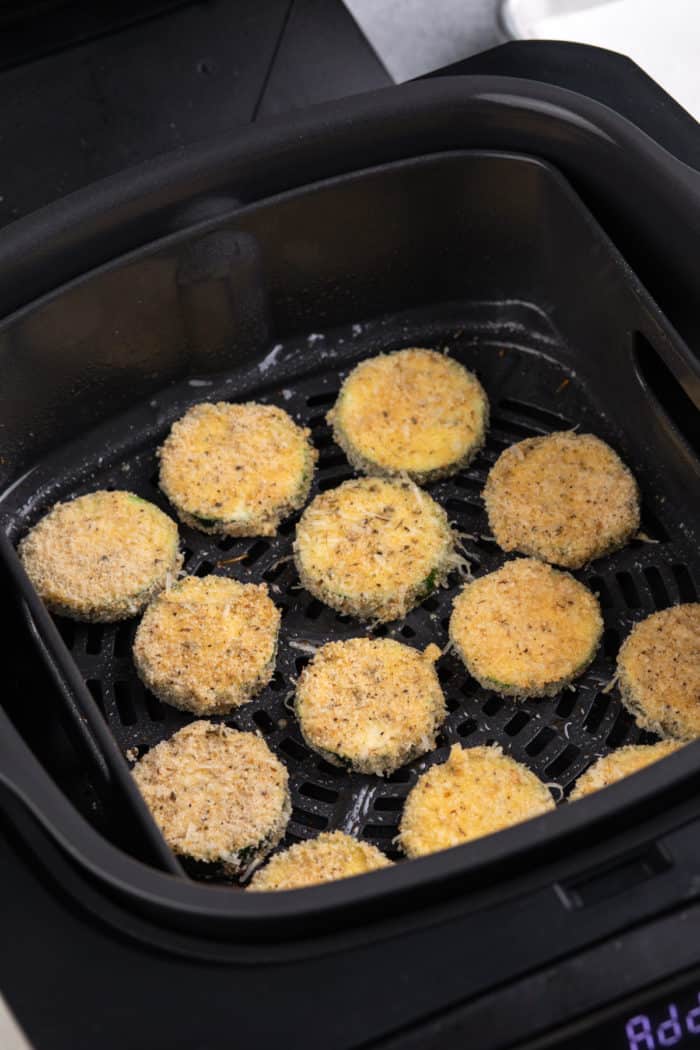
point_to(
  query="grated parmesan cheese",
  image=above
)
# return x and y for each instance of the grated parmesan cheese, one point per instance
(526, 629)
(566, 498)
(101, 557)
(374, 547)
(658, 669)
(236, 469)
(412, 412)
(332, 855)
(373, 704)
(476, 792)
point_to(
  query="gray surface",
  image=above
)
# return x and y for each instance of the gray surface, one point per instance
(664, 43)
(11, 1038)
(416, 36)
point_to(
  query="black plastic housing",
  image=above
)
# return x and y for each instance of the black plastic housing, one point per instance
(499, 230)
(495, 246)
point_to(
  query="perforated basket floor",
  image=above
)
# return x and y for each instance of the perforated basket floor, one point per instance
(530, 394)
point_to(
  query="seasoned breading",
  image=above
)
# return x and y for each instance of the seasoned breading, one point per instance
(101, 557)
(218, 796)
(476, 792)
(414, 412)
(372, 704)
(658, 669)
(566, 498)
(374, 547)
(208, 645)
(526, 629)
(236, 469)
(333, 855)
(620, 764)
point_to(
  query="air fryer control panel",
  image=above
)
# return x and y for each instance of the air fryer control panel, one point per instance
(651, 1021)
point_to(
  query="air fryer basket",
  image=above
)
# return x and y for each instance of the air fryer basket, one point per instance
(491, 257)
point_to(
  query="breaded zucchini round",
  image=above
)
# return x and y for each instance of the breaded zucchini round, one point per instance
(332, 855)
(526, 629)
(101, 557)
(236, 470)
(208, 645)
(477, 791)
(218, 796)
(620, 764)
(370, 703)
(566, 498)
(414, 412)
(658, 669)
(373, 547)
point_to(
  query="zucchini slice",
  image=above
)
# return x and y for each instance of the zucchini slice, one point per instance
(101, 557)
(414, 412)
(236, 469)
(526, 629)
(219, 796)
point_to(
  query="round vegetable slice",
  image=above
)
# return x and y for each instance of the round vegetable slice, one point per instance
(374, 547)
(101, 557)
(476, 792)
(236, 469)
(414, 412)
(372, 704)
(208, 645)
(526, 629)
(220, 797)
(566, 498)
(333, 855)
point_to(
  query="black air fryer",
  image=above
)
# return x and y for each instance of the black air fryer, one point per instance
(549, 239)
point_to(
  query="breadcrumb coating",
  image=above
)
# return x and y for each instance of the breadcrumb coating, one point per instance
(373, 547)
(566, 498)
(332, 855)
(101, 557)
(236, 469)
(208, 645)
(620, 764)
(658, 670)
(218, 796)
(476, 792)
(372, 704)
(414, 412)
(526, 629)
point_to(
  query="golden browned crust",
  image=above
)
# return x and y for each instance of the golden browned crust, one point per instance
(333, 855)
(373, 547)
(217, 795)
(566, 498)
(476, 792)
(372, 704)
(620, 764)
(526, 629)
(101, 557)
(414, 412)
(658, 669)
(236, 469)
(208, 645)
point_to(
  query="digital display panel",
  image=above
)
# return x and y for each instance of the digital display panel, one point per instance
(674, 1022)
(652, 1023)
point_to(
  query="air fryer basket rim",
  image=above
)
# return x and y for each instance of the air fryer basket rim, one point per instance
(200, 226)
(306, 912)
(583, 138)
(162, 891)
(675, 352)
(682, 359)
